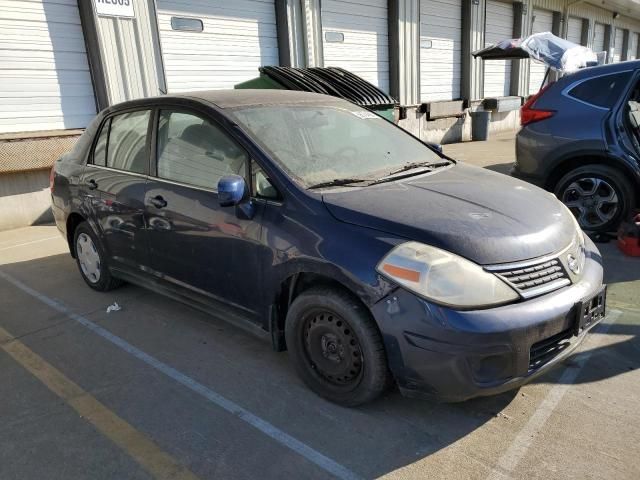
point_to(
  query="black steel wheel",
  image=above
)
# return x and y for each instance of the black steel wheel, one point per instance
(336, 346)
(599, 196)
(332, 349)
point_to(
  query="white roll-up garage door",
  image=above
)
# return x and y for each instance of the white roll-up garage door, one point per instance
(499, 25)
(574, 30)
(45, 82)
(617, 45)
(542, 22)
(598, 37)
(633, 46)
(440, 49)
(355, 37)
(215, 44)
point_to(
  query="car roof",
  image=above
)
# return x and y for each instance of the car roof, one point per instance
(604, 70)
(236, 98)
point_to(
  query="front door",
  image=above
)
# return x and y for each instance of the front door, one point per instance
(195, 243)
(114, 182)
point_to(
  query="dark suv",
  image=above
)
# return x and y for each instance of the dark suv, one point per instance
(580, 139)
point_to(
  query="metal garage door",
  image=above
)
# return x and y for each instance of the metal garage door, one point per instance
(542, 22)
(44, 74)
(213, 44)
(633, 46)
(355, 37)
(598, 37)
(440, 49)
(574, 30)
(499, 25)
(617, 45)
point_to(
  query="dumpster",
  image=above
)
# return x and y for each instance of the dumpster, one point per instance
(329, 81)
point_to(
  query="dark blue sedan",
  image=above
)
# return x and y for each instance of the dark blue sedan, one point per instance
(368, 255)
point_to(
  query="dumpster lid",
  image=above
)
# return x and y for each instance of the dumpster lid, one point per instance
(333, 81)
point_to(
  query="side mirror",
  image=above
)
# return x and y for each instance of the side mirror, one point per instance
(232, 190)
(436, 146)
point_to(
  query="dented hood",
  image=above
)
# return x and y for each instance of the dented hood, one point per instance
(478, 214)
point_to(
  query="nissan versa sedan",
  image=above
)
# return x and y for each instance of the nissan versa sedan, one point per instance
(369, 256)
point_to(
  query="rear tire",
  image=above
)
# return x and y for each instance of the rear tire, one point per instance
(336, 347)
(92, 260)
(599, 196)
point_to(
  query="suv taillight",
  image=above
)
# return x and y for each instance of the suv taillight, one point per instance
(528, 114)
(52, 178)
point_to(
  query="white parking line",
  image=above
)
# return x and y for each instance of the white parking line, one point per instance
(265, 427)
(520, 445)
(29, 243)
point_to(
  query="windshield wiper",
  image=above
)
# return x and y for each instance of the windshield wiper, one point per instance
(413, 165)
(338, 182)
(395, 174)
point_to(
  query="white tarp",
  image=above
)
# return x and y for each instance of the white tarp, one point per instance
(557, 53)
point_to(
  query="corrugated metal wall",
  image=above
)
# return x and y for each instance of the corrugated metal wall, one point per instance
(355, 37)
(237, 38)
(499, 25)
(440, 49)
(574, 30)
(45, 82)
(617, 44)
(542, 22)
(130, 60)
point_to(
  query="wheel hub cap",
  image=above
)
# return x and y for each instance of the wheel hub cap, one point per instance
(593, 201)
(88, 257)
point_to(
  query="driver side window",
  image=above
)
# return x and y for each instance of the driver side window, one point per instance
(192, 150)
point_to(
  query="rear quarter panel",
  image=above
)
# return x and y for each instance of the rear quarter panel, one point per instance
(576, 129)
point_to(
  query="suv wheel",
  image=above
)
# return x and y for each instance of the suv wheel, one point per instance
(336, 347)
(91, 260)
(599, 196)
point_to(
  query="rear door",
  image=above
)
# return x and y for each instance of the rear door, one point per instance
(194, 242)
(114, 181)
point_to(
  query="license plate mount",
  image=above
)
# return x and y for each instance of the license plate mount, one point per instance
(590, 311)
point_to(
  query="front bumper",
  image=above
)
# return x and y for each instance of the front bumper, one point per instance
(451, 355)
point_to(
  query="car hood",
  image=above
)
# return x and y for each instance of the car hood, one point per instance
(478, 214)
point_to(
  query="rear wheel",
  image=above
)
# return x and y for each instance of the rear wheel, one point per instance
(599, 196)
(336, 347)
(91, 260)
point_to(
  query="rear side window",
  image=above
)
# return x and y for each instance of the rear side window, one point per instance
(194, 151)
(100, 151)
(601, 91)
(127, 145)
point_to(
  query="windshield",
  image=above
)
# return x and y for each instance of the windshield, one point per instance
(323, 143)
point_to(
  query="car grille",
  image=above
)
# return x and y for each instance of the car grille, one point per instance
(545, 350)
(532, 279)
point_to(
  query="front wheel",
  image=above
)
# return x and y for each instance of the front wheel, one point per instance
(599, 196)
(336, 347)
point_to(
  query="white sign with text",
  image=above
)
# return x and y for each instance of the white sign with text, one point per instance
(115, 8)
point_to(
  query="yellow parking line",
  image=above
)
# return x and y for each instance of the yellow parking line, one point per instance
(137, 445)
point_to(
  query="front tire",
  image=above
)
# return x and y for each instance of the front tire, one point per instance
(336, 347)
(599, 196)
(92, 261)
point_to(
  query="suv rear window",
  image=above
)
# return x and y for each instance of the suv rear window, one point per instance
(601, 91)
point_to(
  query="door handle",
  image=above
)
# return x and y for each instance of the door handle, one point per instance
(158, 201)
(92, 184)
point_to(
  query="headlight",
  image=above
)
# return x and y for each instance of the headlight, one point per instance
(443, 277)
